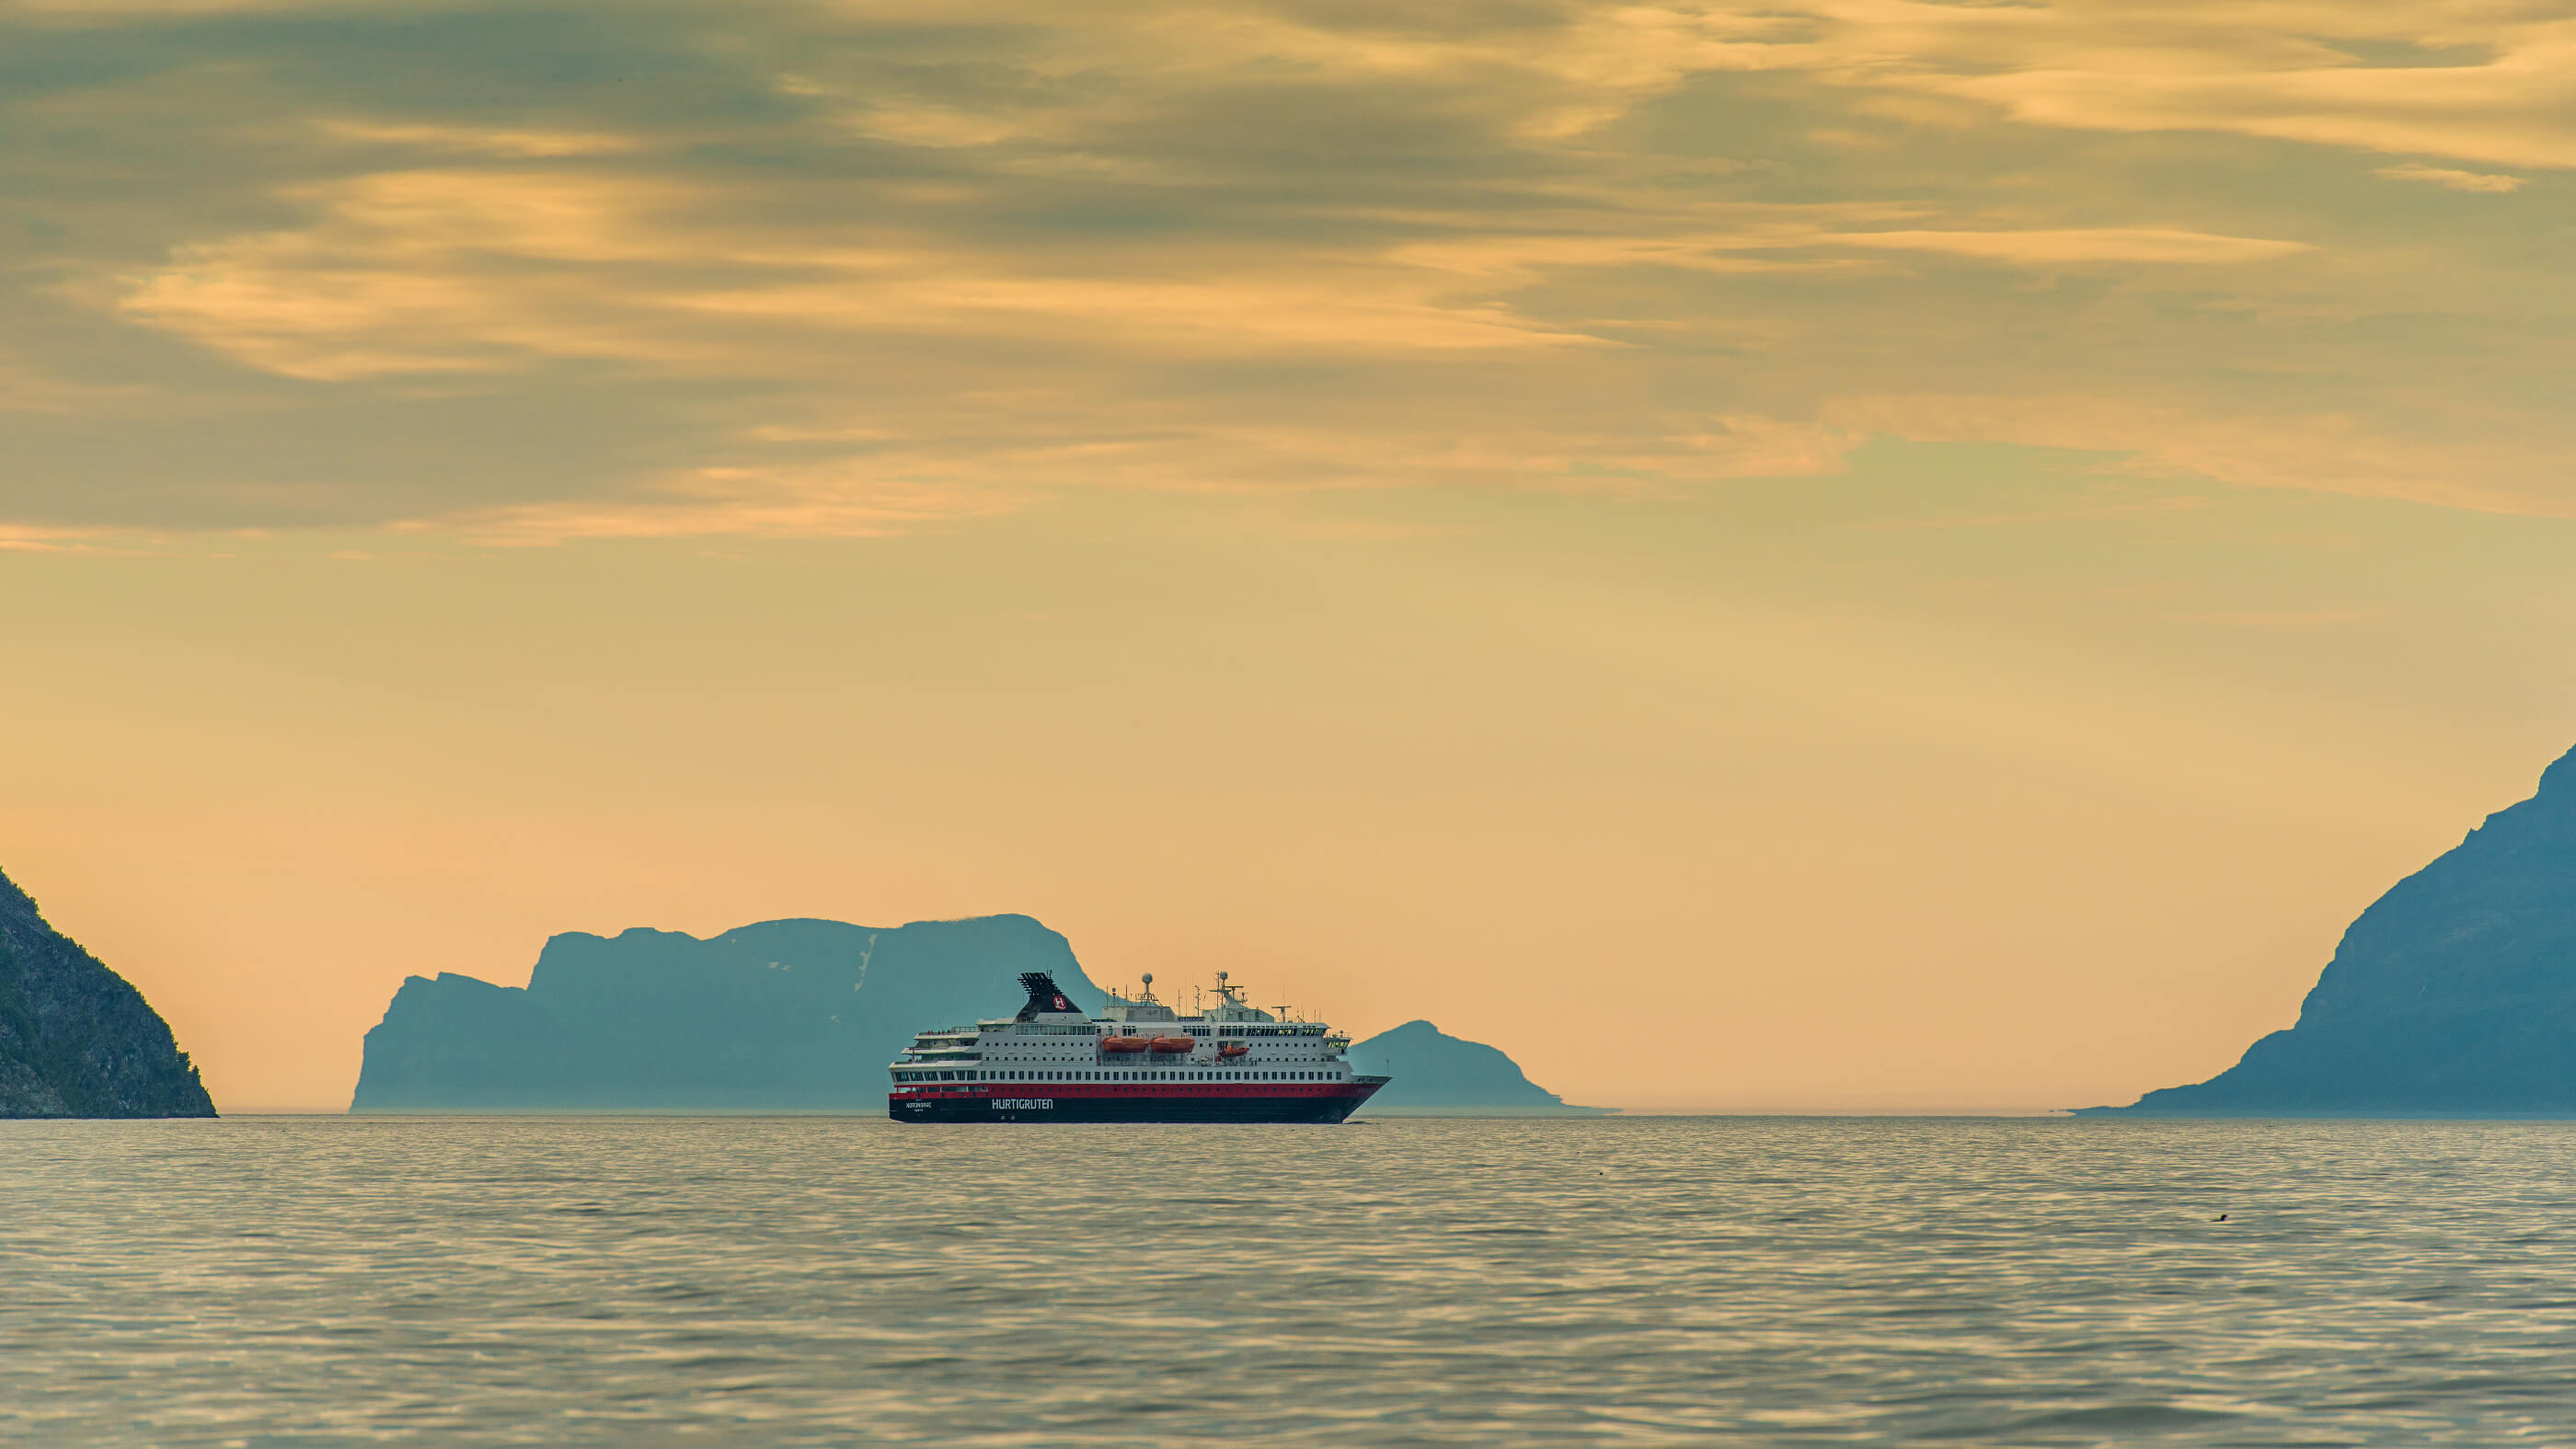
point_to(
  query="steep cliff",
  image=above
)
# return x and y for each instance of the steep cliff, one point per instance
(2453, 994)
(797, 1015)
(75, 1039)
(1436, 1072)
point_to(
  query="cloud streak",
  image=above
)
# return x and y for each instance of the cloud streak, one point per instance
(850, 268)
(2453, 179)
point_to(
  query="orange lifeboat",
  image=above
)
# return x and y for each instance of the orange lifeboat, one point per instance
(1175, 1044)
(1124, 1043)
(1234, 1049)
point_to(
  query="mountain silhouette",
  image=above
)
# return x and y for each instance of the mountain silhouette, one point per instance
(2453, 995)
(1435, 1072)
(783, 1016)
(76, 1039)
(796, 1015)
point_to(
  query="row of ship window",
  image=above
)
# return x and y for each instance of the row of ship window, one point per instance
(1118, 1076)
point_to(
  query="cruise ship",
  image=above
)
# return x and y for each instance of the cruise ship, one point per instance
(1138, 1061)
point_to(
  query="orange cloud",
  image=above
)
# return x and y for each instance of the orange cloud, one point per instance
(1242, 247)
(2097, 244)
(2453, 180)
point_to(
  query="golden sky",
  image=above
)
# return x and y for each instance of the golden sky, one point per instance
(1949, 546)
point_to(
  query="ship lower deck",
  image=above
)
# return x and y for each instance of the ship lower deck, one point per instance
(1132, 1101)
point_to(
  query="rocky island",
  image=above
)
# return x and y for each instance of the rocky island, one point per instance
(783, 1016)
(2453, 995)
(76, 1039)
(1439, 1074)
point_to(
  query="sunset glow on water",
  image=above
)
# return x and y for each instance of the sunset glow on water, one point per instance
(300, 1281)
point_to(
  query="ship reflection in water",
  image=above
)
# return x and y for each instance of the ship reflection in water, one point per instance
(1138, 1061)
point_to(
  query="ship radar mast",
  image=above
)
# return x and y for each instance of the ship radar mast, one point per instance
(1230, 1003)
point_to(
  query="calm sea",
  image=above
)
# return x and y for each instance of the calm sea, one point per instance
(641, 1281)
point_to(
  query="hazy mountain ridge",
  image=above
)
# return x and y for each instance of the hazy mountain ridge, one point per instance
(783, 1016)
(1437, 1072)
(2453, 994)
(76, 1039)
(791, 1015)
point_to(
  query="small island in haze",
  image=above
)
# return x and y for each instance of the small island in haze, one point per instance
(76, 1039)
(782, 1016)
(2454, 994)
(1438, 1074)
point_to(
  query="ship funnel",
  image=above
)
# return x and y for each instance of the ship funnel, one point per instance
(1044, 995)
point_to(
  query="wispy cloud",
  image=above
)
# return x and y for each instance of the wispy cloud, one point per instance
(444, 271)
(21, 538)
(2274, 618)
(2292, 71)
(477, 140)
(858, 266)
(2444, 176)
(2097, 244)
(744, 502)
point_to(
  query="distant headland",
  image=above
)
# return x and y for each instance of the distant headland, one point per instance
(1436, 1073)
(782, 1016)
(76, 1039)
(2453, 995)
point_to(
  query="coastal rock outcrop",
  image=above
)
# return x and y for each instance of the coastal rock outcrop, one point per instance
(783, 1016)
(1435, 1072)
(76, 1039)
(2453, 995)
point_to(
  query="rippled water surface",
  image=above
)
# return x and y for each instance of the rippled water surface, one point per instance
(641, 1281)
